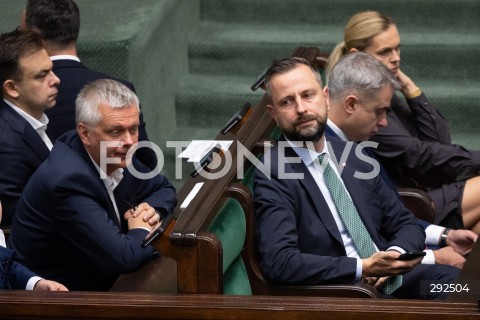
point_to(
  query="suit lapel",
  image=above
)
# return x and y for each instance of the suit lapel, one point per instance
(354, 187)
(311, 187)
(78, 147)
(33, 140)
(29, 135)
(329, 133)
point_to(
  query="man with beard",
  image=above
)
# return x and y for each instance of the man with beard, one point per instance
(321, 223)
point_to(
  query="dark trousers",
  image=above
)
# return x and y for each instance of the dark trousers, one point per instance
(419, 282)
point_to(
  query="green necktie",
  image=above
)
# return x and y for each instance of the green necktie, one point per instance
(350, 217)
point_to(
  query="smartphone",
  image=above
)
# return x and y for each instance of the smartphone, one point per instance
(411, 255)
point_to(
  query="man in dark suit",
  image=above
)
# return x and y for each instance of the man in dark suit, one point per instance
(59, 23)
(83, 215)
(29, 87)
(354, 117)
(13, 275)
(302, 236)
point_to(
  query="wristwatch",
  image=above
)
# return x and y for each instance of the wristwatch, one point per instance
(443, 237)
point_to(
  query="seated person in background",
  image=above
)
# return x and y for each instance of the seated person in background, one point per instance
(355, 115)
(83, 215)
(29, 87)
(59, 23)
(416, 143)
(315, 226)
(15, 276)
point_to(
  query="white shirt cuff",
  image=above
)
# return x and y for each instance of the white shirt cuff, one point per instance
(432, 235)
(429, 257)
(396, 248)
(358, 275)
(32, 282)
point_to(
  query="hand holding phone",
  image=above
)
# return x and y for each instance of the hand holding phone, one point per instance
(411, 255)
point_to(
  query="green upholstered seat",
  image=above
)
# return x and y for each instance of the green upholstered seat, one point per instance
(230, 228)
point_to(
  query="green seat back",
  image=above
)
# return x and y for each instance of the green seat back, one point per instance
(230, 228)
(248, 177)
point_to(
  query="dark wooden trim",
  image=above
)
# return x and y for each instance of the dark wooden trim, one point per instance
(85, 305)
(418, 202)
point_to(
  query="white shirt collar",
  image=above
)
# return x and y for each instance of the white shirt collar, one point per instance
(37, 124)
(308, 155)
(111, 181)
(337, 130)
(64, 57)
(2, 239)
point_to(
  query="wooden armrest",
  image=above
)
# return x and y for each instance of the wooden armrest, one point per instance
(419, 202)
(360, 290)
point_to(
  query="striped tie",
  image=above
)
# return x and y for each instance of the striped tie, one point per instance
(350, 217)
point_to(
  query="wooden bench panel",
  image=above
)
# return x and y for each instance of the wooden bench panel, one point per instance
(86, 305)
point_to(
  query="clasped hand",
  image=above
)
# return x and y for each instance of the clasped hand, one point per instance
(142, 216)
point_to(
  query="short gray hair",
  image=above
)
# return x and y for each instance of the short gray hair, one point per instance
(104, 91)
(360, 74)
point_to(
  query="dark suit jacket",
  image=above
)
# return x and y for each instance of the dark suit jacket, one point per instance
(66, 228)
(416, 150)
(416, 144)
(297, 238)
(73, 77)
(330, 134)
(12, 274)
(21, 153)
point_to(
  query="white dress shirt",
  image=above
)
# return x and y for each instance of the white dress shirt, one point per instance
(65, 57)
(111, 182)
(310, 159)
(40, 125)
(432, 232)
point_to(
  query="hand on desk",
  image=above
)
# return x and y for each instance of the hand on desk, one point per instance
(49, 285)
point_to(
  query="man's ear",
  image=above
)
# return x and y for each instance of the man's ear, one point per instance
(352, 50)
(83, 133)
(326, 93)
(271, 110)
(10, 89)
(350, 103)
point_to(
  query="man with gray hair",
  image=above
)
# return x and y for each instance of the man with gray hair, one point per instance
(317, 222)
(359, 92)
(84, 214)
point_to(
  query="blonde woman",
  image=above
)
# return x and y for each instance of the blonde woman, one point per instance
(415, 146)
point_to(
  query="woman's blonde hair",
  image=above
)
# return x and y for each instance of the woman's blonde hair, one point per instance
(358, 34)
